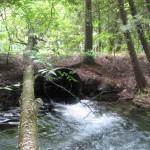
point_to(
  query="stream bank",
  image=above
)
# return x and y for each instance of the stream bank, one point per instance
(115, 73)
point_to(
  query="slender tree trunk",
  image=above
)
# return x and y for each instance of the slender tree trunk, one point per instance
(99, 44)
(111, 44)
(119, 42)
(88, 45)
(139, 77)
(148, 5)
(99, 29)
(99, 32)
(28, 129)
(140, 31)
(88, 26)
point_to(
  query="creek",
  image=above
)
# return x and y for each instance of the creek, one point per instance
(83, 126)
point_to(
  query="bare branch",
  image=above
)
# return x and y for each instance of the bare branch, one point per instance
(50, 20)
(73, 96)
(20, 41)
(30, 26)
(4, 18)
(63, 88)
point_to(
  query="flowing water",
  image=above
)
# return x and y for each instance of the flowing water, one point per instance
(84, 126)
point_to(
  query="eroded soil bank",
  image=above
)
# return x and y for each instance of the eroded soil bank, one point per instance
(113, 73)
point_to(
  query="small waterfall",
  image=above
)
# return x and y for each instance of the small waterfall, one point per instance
(86, 127)
(88, 121)
(81, 126)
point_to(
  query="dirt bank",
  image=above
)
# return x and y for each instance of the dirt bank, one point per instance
(115, 71)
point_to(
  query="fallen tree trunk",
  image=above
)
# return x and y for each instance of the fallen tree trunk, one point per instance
(28, 129)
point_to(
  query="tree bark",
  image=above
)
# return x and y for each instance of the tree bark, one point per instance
(88, 44)
(28, 129)
(139, 77)
(99, 32)
(88, 26)
(99, 28)
(139, 29)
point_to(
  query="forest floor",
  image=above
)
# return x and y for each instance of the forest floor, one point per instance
(116, 71)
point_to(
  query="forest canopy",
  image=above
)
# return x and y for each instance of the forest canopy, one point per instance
(59, 25)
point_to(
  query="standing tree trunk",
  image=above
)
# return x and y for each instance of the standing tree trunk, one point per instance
(28, 130)
(139, 77)
(111, 44)
(99, 44)
(88, 45)
(99, 28)
(99, 32)
(140, 31)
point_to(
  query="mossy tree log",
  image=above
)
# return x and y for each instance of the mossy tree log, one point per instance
(28, 129)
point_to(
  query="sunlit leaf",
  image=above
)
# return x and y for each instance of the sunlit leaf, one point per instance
(8, 88)
(53, 72)
(17, 85)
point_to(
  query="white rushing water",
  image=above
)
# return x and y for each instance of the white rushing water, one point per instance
(82, 126)
(88, 121)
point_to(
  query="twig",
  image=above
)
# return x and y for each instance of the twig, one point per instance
(98, 95)
(50, 20)
(71, 95)
(103, 92)
(20, 41)
(62, 88)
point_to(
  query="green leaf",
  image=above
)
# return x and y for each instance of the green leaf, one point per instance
(37, 61)
(8, 88)
(53, 72)
(41, 70)
(17, 85)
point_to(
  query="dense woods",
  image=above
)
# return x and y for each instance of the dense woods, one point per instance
(88, 28)
(70, 27)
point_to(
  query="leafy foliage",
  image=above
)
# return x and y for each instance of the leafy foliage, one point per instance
(11, 87)
(59, 26)
(57, 75)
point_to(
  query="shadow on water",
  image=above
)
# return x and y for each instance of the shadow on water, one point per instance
(9, 121)
(85, 126)
(8, 137)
